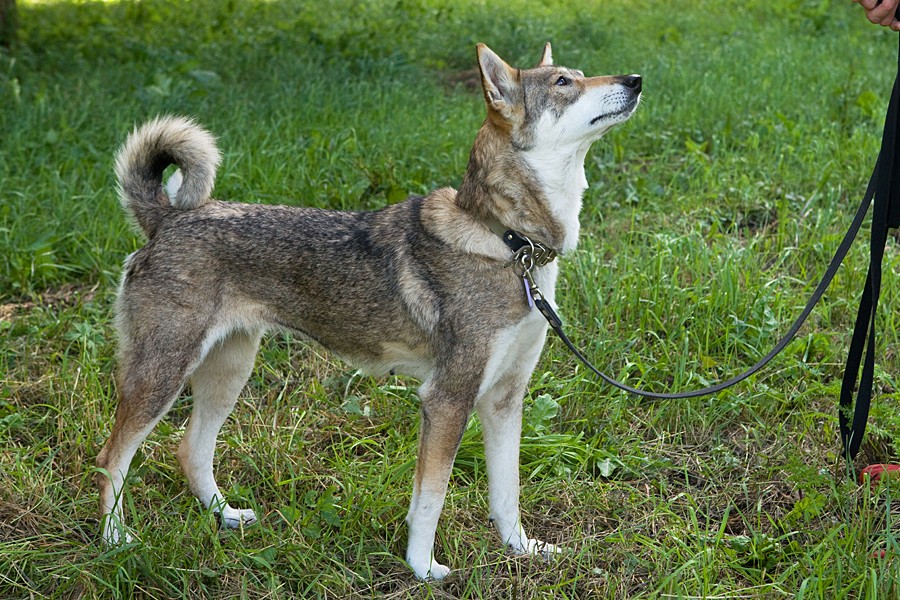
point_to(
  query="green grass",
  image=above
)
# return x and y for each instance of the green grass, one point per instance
(709, 220)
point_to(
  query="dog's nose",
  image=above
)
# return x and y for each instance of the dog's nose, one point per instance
(632, 82)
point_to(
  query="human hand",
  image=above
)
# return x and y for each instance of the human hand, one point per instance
(881, 12)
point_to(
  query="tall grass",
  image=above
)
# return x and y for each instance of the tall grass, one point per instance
(710, 217)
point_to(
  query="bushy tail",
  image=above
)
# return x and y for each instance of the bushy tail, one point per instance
(146, 154)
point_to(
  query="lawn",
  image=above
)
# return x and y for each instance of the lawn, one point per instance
(710, 218)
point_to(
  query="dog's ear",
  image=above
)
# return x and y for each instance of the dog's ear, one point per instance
(499, 82)
(546, 56)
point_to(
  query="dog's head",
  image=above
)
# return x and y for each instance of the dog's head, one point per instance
(553, 105)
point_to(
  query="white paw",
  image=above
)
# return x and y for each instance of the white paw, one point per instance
(235, 518)
(431, 569)
(114, 533)
(534, 547)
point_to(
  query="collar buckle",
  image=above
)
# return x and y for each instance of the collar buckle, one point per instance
(527, 253)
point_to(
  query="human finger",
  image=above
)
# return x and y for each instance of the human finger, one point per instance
(882, 13)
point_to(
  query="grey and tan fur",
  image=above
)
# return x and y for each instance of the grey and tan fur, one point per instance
(423, 287)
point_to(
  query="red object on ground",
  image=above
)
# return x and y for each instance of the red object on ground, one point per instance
(875, 472)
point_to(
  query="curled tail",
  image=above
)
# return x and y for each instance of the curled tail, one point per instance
(145, 155)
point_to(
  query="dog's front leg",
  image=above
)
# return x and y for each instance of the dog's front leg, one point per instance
(500, 411)
(444, 417)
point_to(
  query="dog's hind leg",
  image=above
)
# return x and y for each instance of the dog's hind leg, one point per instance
(215, 385)
(446, 406)
(149, 382)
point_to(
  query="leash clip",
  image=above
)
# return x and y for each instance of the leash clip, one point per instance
(532, 292)
(528, 255)
(526, 258)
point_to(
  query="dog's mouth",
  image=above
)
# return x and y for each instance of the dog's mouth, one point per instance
(625, 111)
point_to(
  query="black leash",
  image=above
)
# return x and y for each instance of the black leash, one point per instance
(884, 188)
(556, 323)
(885, 184)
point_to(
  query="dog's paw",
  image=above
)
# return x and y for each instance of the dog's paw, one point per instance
(235, 518)
(430, 569)
(534, 547)
(115, 534)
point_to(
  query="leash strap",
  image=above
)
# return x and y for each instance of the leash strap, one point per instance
(885, 182)
(556, 323)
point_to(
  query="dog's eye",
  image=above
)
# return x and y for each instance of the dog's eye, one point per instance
(562, 81)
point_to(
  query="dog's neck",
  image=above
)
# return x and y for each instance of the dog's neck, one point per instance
(563, 180)
(536, 193)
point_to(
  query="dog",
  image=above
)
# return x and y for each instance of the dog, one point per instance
(429, 287)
